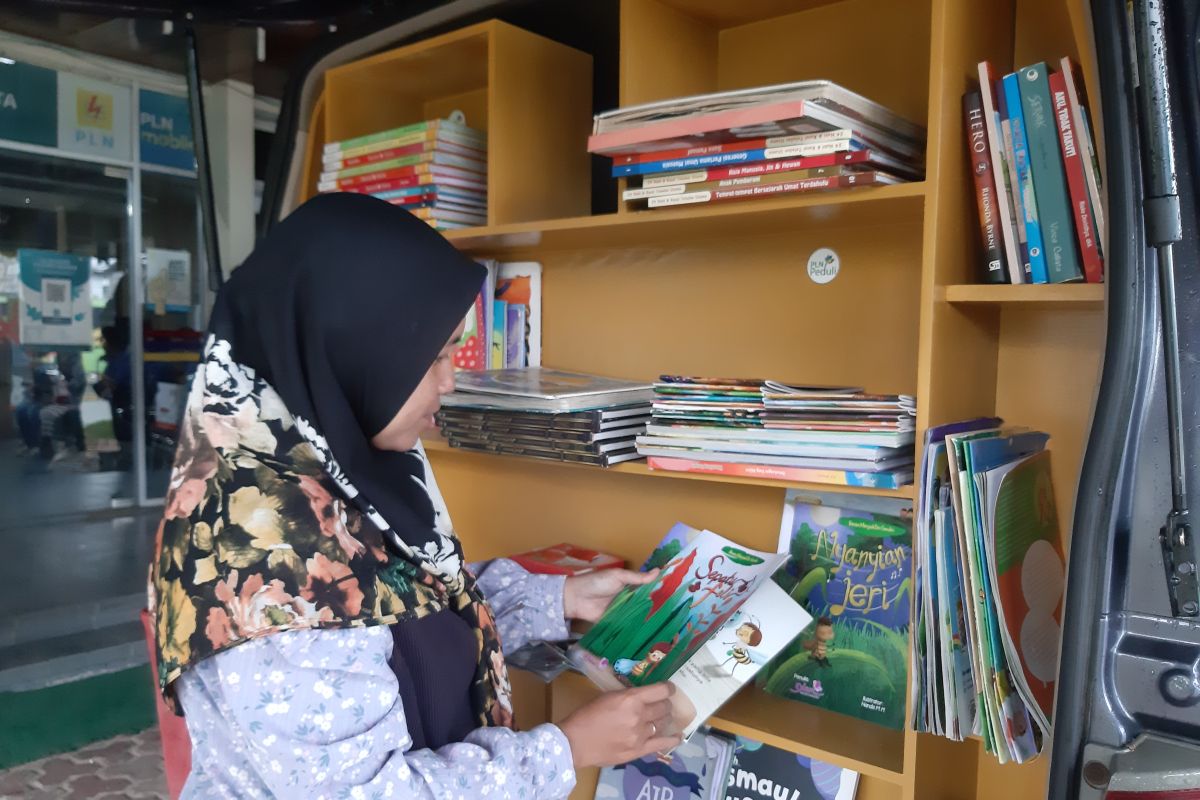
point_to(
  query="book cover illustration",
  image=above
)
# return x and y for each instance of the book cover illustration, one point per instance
(520, 283)
(757, 632)
(852, 571)
(697, 768)
(759, 771)
(650, 632)
(566, 559)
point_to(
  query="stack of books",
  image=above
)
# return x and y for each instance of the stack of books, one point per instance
(437, 169)
(762, 429)
(503, 328)
(768, 141)
(990, 586)
(547, 414)
(1037, 178)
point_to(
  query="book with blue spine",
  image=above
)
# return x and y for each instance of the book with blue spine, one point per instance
(1029, 203)
(1048, 175)
(738, 156)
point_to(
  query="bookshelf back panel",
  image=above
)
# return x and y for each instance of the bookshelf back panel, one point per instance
(391, 89)
(1047, 372)
(831, 42)
(740, 307)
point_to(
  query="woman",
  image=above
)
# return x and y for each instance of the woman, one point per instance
(315, 622)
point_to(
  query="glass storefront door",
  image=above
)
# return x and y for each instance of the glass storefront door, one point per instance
(66, 386)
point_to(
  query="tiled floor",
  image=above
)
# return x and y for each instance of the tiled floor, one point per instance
(123, 768)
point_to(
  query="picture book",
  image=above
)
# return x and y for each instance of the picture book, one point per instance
(697, 768)
(761, 771)
(851, 570)
(520, 283)
(566, 559)
(700, 624)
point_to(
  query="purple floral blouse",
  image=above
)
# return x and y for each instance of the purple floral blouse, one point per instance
(316, 714)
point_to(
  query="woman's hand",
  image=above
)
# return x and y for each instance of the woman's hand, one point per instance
(587, 596)
(618, 727)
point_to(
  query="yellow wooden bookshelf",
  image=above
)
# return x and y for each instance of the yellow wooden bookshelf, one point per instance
(723, 290)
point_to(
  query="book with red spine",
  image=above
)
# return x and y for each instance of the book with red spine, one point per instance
(758, 168)
(1083, 138)
(434, 172)
(773, 189)
(985, 187)
(837, 477)
(730, 147)
(400, 152)
(1068, 141)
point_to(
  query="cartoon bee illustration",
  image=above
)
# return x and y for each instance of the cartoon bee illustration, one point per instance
(747, 635)
(818, 646)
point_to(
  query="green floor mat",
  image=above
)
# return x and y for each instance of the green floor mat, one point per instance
(62, 718)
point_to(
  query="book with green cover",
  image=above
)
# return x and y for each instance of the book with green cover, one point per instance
(852, 571)
(1049, 177)
(426, 125)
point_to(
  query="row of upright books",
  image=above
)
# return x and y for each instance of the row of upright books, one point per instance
(760, 142)
(756, 428)
(1037, 178)
(990, 584)
(436, 169)
(503, 328)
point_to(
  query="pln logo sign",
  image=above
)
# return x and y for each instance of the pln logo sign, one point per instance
(94, 119)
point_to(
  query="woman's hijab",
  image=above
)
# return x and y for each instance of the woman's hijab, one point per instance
(281, 514)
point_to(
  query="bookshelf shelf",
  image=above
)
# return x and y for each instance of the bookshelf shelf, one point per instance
(901, 204)
(439, 446)
(1077, 295)
(874, 751)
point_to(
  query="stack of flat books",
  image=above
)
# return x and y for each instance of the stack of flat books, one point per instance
(436, 169)
(759, 142)
(757, 428)
(547, 414)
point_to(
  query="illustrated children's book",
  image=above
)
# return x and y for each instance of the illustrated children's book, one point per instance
(566, 559)
(707, 623)
(696, 770)
(761, 771)
(852, 571)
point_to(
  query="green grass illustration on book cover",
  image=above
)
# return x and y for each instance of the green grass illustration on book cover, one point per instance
(852, 571)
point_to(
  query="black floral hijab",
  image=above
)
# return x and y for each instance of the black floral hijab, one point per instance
(281, 515)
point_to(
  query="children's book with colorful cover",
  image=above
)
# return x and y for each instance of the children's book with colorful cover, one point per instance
(761, 771)
(697, 768)
(852, 571)
(685, 625)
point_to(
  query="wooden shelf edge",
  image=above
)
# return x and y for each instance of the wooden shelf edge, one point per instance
(1077, 295)
(726, 721)
(865, 768)
(639, 468)
(532, 234)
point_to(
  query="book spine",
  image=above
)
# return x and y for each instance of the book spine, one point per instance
(759, 168)
(1049, 182)
(390, 153)
(747, 180)
(1014, 187)
(1068, 141)
(837, 477)
(431, 157)
(416, 127)
(732, 147)
(438, 137)
(747, 156)
(1091, 165)
(1000, 176)
(791, 187)
(392, 177)
(499, 334)
(985, 187)
(1029, 204)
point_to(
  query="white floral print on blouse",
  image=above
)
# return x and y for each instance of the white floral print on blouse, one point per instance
(317, 714)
